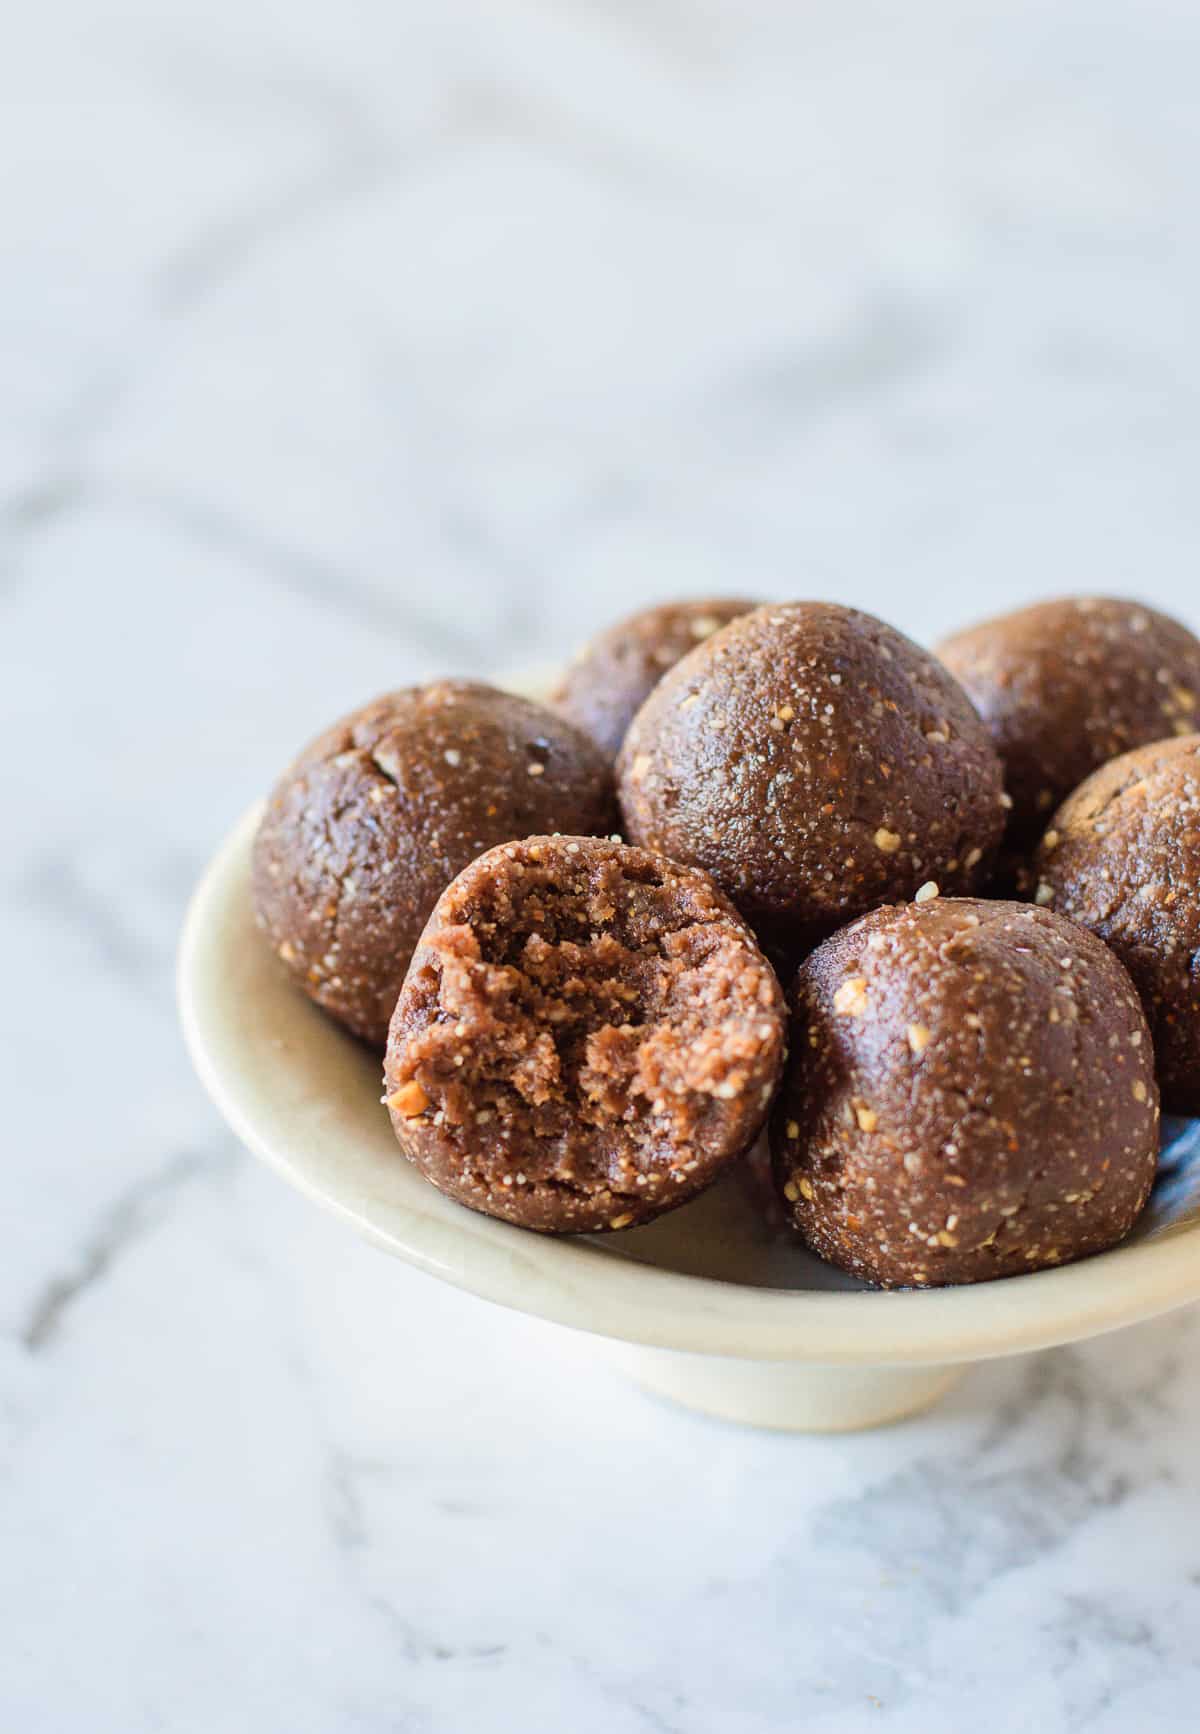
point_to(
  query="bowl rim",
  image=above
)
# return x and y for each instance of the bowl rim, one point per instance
(576, 1282)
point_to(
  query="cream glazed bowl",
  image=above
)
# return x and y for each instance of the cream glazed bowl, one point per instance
(705, 1305)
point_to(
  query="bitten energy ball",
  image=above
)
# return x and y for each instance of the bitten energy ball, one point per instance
(971, 1095)
(1068, 685)
(816, 763)
(1122, 856)
(609, 682)
(587, 1035)
(367, 828)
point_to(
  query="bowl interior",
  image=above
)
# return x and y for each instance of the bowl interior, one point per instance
(709, 1277)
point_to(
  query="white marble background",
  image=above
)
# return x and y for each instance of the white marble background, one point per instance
(343, 342)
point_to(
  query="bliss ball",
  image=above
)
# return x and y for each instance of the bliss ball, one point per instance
(1122, 856)
(1065, 686)
(970, 1095)
(614, 675)
(816, 763)
(587, 1036)
(366, 829)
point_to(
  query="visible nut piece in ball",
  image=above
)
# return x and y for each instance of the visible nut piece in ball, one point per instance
(367, 828)
(1067, 685)
(1122, 856)
(588, 1034)
(970, 1095)
(816, 763)
(614, 675)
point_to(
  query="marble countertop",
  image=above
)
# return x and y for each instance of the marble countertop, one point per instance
(346, 343)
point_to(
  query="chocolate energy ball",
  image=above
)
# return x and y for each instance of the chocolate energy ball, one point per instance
(365, 831)
(817, 764)
(971, 1095)
(608, 683)
(588, 1034)
(1122, 856)
(1065, 686)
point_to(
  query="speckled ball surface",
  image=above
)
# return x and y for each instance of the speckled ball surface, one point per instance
(587, 1036)
(817, 763)
(1122, 856)
(366, 829)
(1067, 685)
(614, 675)
(970, 1095)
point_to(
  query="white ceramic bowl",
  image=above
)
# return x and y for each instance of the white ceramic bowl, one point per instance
(701, 1305)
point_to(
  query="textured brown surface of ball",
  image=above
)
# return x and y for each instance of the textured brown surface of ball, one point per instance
(816, 763)
(587, 1036)
(1067, 685)
(611, 679)
(366, 829)
(1122, 856)
(970, 1095)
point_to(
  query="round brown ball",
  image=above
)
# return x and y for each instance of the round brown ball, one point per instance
(1067, 685)
(587, 1036)
(971, 1095)
(366, 829)
(614, 675)
(817, 763)
(1122, 856)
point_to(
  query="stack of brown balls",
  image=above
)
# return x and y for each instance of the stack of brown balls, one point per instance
(567, 925)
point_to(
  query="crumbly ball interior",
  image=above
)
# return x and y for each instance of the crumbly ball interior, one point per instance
(586, 1022)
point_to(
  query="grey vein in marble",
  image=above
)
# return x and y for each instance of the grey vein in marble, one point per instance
(132, 1214)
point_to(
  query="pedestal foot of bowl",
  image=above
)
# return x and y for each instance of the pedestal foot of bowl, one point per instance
(790, 1396)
